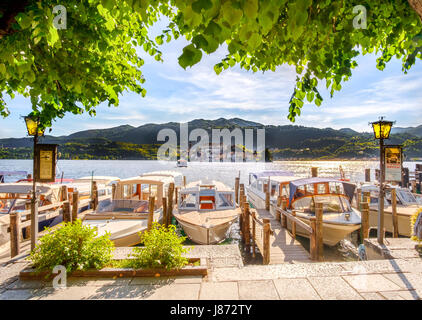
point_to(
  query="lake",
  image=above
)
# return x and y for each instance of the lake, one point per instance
(205, 171)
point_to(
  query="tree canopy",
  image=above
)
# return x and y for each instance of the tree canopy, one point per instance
(95, 58)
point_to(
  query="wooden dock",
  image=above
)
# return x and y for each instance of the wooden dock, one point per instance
(283, 247)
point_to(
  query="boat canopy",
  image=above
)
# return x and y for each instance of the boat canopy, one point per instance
(13, 173)
(99, 179)
(349, 188)
(49, 191)
(271, 173)
(176, 176)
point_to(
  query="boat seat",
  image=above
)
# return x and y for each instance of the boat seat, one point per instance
(206, 204)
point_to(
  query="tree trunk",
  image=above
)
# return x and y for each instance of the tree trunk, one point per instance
(417, 6)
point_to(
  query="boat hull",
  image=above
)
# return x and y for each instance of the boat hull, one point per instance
(205, 235)
(404, 222)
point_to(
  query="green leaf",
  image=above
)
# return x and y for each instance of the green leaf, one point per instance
(190, 56)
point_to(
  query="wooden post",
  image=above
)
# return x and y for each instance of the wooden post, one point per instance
(266, 241)
(394, 213)
(294, 225)
(63, 193)
(314, 171)
(247, 228)
(367, 175)
(283, 217)
(313, 250)
(66, 212)
(319, 235)
(405, 178)
(253, 233)
(365, 220)
(113, 191)
(94, 196)
(151, 208)
(413, 184)
(358, 198)
(236, 189)
(277, 213)
(15, 233)
(170, 203)
(75, 205)
(175, 195)
(267, 197)
(367, 197)
(165, 220)
(34, 223)
(184, 181)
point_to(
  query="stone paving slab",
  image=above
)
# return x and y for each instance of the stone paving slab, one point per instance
(261, 272)
(334, 288)
(402, 295)
(257, 290)
(295, 289)
(219, 291)
(9, 273)
(166, 280)
(370, 283)
(406, 280)
(24, 294)
(372, 296)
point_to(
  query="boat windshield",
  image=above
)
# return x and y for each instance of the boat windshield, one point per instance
(330, 204)
(188, 201)
(225, 200)
(406, 197)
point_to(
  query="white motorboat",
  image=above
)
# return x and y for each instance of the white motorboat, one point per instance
(126, 216)
(301, 194)
(407, 205)
(206, 211)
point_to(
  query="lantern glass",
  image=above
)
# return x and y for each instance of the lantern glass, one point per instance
(382, 129)
(32, 127)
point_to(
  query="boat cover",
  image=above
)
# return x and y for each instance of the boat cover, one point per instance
(349, 188)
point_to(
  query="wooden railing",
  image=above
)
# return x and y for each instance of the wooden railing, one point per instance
(314, 229)
(69, 208)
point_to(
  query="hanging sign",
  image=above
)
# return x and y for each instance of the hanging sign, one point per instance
(393, 163)
(46, 158)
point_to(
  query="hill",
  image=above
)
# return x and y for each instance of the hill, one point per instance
(284, 142)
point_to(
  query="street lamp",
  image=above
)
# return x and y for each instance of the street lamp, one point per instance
(382, 130)
(34, 130)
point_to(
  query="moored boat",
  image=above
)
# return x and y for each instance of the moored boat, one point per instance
(339, 218)
(126, 215)
(407, 205)
(206, 211)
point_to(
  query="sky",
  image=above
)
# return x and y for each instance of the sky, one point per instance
(178, 95)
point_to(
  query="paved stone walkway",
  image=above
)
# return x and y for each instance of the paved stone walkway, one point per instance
(227, 279)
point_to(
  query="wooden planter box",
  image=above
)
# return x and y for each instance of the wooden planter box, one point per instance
(31, 274)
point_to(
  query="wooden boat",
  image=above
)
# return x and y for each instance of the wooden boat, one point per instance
(16, 197)
(279, 186)
(206, 211)
(339, 218)
(407, 205)
(126, 215)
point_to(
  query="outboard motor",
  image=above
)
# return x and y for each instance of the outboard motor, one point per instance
(362, 252)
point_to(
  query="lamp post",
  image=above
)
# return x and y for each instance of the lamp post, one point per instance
(34, 130)
(382, 130)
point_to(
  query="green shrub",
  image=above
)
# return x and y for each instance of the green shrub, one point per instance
(73, 246)
(163, 249)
